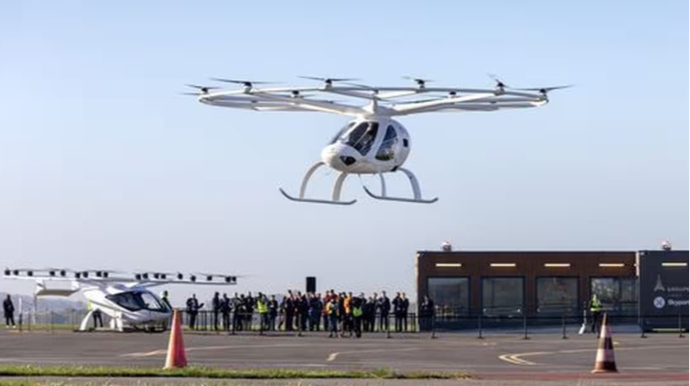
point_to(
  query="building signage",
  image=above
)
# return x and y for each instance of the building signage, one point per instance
(663, 285)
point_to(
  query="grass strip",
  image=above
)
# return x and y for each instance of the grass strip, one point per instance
(216, 373)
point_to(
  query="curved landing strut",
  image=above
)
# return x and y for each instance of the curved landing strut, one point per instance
(337, 188)
(416, 191)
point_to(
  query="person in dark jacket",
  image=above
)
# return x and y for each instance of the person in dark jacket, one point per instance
(225, 308)
(384, 307)
(289, 311)
(8, 310)
(405, 308)
(426, 314)
(165, 298)
(237, 312)
(303, 309)
(249, 304)
(342, 318)
(192, 310)
(397, 312)
(272, 313)
(215, 304)
(367, 309)
(315, 310)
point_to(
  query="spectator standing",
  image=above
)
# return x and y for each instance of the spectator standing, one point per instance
(326, 299)
(357, 312)
(249, 305)
(8, 310)
(332, 310)
(349, 321)
(426, 313)
(315, 310)
(303, 309)
(225, 308)
(289, 311)
(384, 307)
(341, 314)
(397, 309)
(262, 309)
(405, 305)
(272, 313)
(215, 305)
(192, 310)
(238, 316)
(369, 317)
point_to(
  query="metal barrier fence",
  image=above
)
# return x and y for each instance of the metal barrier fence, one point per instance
(521, 325)
(565, 324)
(47, 320)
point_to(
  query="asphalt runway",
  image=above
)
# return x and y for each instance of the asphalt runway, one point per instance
(544, 357)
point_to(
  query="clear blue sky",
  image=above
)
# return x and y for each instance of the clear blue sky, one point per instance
(103, 164)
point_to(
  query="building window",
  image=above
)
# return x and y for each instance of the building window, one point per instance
(617, 294)
(503, 296)
(451, 295)
(557, 295)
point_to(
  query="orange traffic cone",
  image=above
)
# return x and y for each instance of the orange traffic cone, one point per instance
(606, 362)
(176, 357)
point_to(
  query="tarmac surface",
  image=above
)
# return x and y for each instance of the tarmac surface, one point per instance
(659, 359)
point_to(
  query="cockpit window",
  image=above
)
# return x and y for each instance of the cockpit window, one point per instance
(151, 302)
(341, 132)
(362, 137)
(136, 301)
(387, 149)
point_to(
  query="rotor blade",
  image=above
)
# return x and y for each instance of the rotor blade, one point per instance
(192, 93)
(496, 79)
(371, 88)
(322, 79)
(415, 79)
(196, 86)
(237, 81)
(545, 89)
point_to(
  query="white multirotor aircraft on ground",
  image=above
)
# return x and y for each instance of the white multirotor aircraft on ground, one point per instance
(124, 298)
(372, 143)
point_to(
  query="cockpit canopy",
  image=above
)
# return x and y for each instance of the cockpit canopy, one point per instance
(362, 135)
(137, 301)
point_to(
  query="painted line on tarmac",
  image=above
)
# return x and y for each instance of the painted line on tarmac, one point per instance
(332, 356)
(517, 359)
(210, 348)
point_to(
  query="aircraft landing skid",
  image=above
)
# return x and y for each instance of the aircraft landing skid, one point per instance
(337, 189)
(416, 191)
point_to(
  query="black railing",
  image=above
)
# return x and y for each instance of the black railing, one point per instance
(568, 323)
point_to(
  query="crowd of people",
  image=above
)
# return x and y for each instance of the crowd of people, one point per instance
(339, 314)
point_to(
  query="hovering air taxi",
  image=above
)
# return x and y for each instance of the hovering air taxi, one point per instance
(373, 142)
(125, 298)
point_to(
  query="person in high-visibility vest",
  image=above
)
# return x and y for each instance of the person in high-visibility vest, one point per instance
(347, 314)
(356, 304)
(262, 309)
(595, 310)
(95, 315)
(332, 309)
